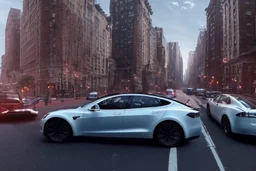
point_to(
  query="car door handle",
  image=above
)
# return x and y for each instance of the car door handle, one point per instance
(117, 113)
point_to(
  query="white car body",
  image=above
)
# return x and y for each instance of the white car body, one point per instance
(130, 122)
(241, 116)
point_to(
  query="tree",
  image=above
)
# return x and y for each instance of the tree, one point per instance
(26, 81)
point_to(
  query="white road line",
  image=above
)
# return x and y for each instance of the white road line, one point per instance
(212, 147)
(211, 144)
(173, 161)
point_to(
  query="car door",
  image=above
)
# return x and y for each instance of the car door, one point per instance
(108, 120)
(214, 105)
(222, 105)
(143, 114)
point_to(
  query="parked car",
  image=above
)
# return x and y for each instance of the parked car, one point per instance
(190, 91)
(211, 94)
(93, 96)
(235, 114)
(126, 115)
(13, 106)
(200, 92)
(171, 93)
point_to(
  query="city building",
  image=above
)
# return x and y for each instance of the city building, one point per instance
(180, 72)
(190, 64)
(213, 56)
(154, 65)
(101, 50)
(53, 51)
(197, 70)
(3, 71)
(131, 21)
(161, 57)
(174, 65)
(239, 45)
(10, 61)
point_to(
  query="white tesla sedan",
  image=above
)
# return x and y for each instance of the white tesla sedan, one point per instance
(126, 115)
(235, 114)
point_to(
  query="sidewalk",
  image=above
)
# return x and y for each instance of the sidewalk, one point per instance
(58, 102)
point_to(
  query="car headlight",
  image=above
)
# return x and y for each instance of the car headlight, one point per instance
(46, 115)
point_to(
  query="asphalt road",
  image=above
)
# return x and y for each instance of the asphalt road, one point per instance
(23, 148)
(236, 154)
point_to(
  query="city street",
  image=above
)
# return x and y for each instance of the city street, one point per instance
(24, 148)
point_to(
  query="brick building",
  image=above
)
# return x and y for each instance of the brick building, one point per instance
(239, 44)
(52, 49)
(213, 56)
(130, 42)
(11, 59)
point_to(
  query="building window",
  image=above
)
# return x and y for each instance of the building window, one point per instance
(248, 12)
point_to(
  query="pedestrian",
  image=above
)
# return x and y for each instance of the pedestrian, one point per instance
(46, 99)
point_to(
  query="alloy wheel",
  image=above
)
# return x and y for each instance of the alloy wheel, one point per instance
(169, 134)
(58, 130)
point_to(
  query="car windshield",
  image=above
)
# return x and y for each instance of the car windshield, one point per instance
(246, 103)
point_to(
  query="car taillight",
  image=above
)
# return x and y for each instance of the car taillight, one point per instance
(242, 114)
(194, 115)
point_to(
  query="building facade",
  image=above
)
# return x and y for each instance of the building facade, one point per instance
(213, 56)
(161, 57)
(174, 65)
(11, 59)
(131, 21)
(239, 44)
(197, 72)
(154, 64)
(101, 50)
(53, 51)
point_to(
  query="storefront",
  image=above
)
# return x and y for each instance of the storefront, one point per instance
(240, 73)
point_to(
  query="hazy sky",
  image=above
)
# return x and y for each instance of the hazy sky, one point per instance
(181, 20)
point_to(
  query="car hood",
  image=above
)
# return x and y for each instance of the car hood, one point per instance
(64, 111)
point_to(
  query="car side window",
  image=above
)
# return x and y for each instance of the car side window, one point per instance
(119, 102)
(216, 99)
(143, 101)
(225, 100)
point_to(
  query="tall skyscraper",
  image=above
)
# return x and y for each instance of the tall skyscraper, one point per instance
(56, 43)
(131, 42)
(213, 56)
(11, 59)
(239, 45)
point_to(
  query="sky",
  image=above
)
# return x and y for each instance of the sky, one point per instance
(180, 19)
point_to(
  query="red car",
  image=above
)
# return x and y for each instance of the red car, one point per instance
(11, 104)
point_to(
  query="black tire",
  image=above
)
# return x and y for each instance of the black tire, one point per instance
(58, 130)
(226, 126)
(169, 134)
(208, 111)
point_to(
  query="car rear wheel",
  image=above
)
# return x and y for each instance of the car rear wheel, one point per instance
(169, 134)
(58, 130)
(208, 111)
(226, 126)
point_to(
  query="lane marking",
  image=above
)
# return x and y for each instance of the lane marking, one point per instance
(209, 140)
(173, 161)
(212, 147)
(211, 144)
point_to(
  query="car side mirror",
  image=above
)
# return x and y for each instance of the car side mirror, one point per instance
(95, 108)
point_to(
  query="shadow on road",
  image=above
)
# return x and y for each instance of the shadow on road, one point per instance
(112, 141)
(17, 120)
(245, 139)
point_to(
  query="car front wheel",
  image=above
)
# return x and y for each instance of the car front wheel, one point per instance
(58, 130)
(169, 134)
